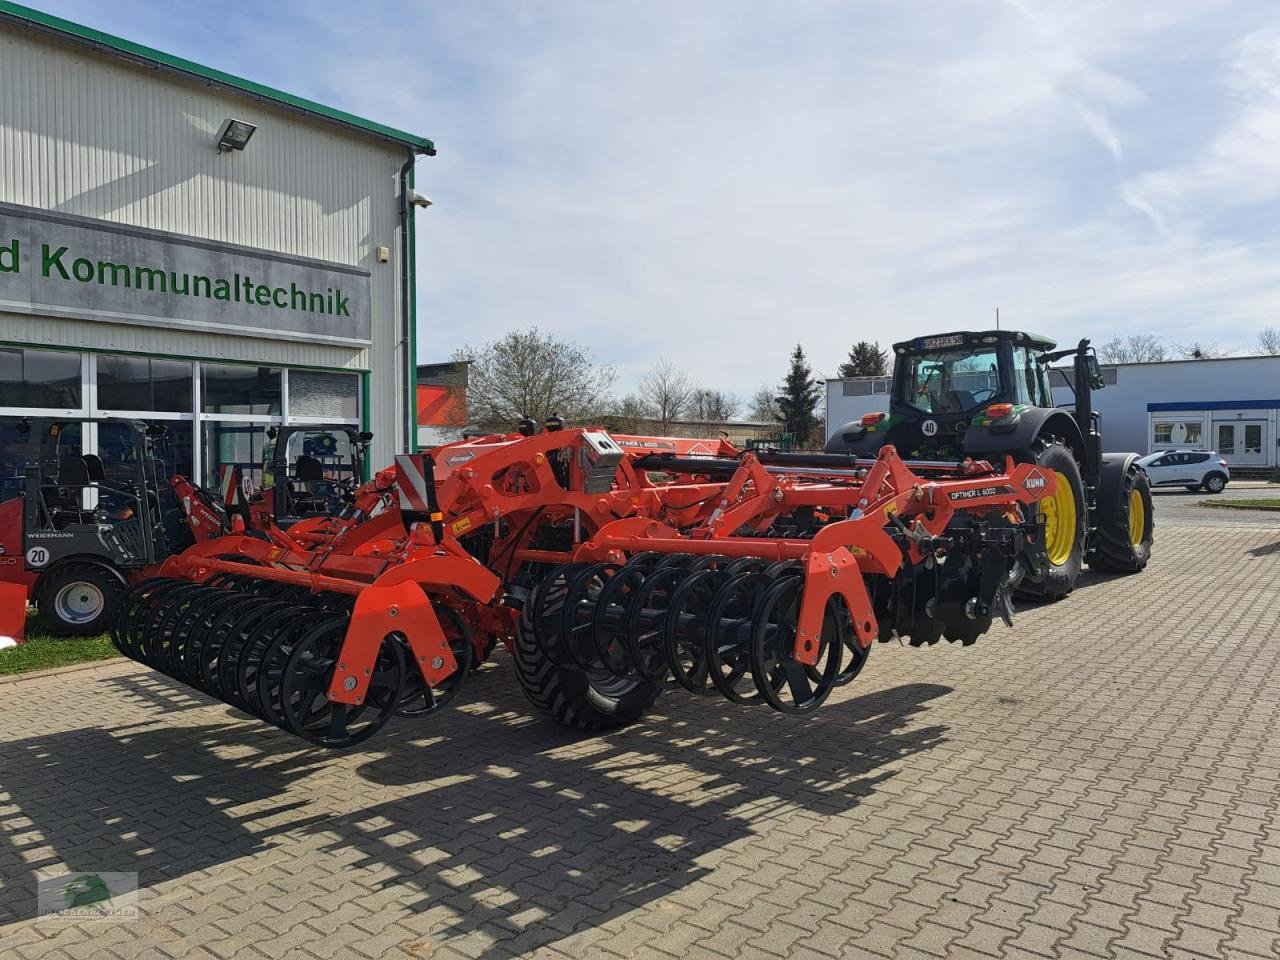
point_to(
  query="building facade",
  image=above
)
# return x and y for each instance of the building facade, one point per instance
(187, 247)
(1230, 405)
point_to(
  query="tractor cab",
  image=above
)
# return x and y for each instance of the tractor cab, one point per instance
(310, 471)
(945, 386)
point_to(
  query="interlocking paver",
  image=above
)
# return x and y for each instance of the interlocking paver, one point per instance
(1104, 781)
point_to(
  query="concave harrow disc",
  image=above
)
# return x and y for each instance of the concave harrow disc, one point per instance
(268, 649)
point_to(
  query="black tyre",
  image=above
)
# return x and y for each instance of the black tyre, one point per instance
(78, 599)
(1125, 523)
(1215, 482)
(567, 694)
(1065, 515)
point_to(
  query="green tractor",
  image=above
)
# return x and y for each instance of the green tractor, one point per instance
(986, 395)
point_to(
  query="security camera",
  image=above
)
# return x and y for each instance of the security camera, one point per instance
(420, 199)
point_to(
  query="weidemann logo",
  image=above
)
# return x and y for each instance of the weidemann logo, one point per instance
(57, 263)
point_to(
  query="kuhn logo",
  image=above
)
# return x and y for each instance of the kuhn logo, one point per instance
(459, 458)
(1035, 482)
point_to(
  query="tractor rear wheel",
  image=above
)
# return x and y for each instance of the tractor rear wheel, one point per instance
(566, 693)
(1124, 525)
(1064, 515)
(78, 599)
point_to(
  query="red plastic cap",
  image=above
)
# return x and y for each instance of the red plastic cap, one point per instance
(997, 410)
(869, 418)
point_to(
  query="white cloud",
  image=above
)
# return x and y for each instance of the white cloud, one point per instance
(1240, 166)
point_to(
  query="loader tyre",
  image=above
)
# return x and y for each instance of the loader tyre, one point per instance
(78, 599)
(1065, 515)
(1125, 521)
(565, 692)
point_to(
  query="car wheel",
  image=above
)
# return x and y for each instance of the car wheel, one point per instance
(1215, 483)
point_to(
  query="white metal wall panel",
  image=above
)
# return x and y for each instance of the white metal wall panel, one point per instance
(89, 134)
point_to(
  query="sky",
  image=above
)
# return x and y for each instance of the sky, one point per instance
(713, 182)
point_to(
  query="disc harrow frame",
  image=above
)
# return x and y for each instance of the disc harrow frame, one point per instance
(637, 562)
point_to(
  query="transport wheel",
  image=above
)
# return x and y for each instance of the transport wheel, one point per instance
(78, 599)
(307, 709)
(1124, 526)
(565, 693)
(1064, 515)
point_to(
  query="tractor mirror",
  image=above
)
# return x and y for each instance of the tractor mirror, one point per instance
(365, 436)
(1095, 374)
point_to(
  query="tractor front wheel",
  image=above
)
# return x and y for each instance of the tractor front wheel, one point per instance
(1064, 516)
(78, 599)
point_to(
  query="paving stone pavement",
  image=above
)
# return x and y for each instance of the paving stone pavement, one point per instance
(1102, 781)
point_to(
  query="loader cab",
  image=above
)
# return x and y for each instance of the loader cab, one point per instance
(103, 505)
(311, 470)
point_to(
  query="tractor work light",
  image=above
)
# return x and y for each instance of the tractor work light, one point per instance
(234, 134)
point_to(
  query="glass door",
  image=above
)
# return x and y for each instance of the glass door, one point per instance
(1242, 442)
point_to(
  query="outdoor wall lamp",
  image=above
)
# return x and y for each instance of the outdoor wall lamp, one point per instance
(234, 134)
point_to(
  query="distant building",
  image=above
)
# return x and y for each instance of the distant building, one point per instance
(1231, 405)
(442, 402)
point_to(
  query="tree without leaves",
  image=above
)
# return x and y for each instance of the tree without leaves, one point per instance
(628, 415)
(799, 398)
(866, 359)
(1202, 351)
(666, 391)
(712, 406)
(1140, 348)
(763, 407)
(1269, 341)
(531, 373)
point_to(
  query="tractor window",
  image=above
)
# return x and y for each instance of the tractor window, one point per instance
(952, 381)
(1028, 386)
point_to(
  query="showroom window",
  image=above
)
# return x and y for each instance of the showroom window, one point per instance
(329, 396)
(1178, 433)
(41, 379)
(212, 413)
(232, 389)
(143, 384)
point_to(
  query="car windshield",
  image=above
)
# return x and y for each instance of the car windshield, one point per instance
(952, 381)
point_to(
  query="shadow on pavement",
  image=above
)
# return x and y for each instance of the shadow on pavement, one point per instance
(482, 797)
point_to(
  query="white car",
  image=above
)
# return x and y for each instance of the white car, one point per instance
(1193, 469)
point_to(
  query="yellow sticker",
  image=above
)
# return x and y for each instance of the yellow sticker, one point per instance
(890, 509)
(461, 526)
(858, 551)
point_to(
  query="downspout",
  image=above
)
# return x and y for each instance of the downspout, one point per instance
(408, 308)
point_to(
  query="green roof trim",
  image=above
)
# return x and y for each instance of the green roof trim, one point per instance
(16, 13)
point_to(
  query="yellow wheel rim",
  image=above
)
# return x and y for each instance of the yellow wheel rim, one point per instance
(1137, 518)
(1059, 513)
